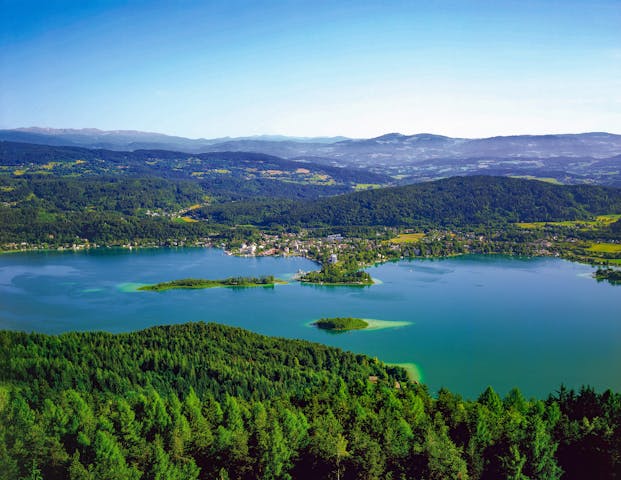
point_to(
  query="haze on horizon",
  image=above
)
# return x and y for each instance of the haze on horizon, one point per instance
(359, 69)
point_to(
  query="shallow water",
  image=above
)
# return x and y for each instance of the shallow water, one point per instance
(464, 322)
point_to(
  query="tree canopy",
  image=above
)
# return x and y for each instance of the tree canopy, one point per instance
(207, 401)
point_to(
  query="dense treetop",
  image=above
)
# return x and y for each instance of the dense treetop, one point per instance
(207, 357)
(341, 323)
(457, 201)
(223, 173)
(208, 401)
(57, 210)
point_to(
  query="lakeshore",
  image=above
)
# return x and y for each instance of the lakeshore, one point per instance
(342, 259)
(468, 325)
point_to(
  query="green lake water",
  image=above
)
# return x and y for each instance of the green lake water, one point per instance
(462, 322)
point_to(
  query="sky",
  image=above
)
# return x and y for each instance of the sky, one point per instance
(360, 68)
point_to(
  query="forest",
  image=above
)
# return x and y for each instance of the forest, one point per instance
(455, 202)
(232, 175)
(36, 227)
(338, 275)
(198, 283)
(341, 324)
(608, 274)
(105, 210)
(204, 401)
(102, 210)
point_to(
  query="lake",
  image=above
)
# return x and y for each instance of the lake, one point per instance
(463, 322)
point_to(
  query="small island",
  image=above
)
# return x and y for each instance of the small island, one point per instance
(331, 275)
(341, 324)
(196, 283)
(611, 275)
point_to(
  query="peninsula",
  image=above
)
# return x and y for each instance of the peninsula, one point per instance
(196, 283)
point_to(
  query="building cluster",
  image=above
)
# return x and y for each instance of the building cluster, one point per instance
(291, 244)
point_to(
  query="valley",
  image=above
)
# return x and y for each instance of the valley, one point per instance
(437, 294)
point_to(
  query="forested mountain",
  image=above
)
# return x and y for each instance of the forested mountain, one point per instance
(252, 174)
(208, 401)
(119, 194)
(63, 195)
(41, 209)
(457, 201)
(102, 210)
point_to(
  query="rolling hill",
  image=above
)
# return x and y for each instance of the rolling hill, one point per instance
(453, 202)
(564, 158)
(240, 174)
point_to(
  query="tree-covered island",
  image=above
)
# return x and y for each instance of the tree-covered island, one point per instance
(195, 283)
(341, 324)
(338, 275)
(611, 275)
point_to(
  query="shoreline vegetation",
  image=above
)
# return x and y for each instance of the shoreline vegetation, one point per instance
(327, 276)
(588, 252)
(413, 371)
(594, 242)
(341, 324)
(199, 283)
(319, 278)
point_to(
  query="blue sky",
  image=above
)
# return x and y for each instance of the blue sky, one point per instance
(355, 68)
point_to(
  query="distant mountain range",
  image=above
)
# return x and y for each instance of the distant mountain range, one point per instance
(580, 158)
(391, 148)
(136, 140)
(565, 158)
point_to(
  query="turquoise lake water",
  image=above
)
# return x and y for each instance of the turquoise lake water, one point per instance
(465, 322)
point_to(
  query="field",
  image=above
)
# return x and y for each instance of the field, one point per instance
(541, 179)
(593, 252)
(407, 238)
(599, 222)
(366, 186)
(605, 248)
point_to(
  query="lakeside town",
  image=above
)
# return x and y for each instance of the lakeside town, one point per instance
(341, 255)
